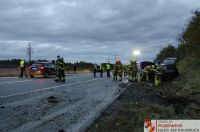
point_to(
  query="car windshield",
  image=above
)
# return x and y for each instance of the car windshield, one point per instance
(169, 61)
(37, 64)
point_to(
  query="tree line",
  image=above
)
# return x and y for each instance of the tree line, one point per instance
(188, 42)
(9, 63)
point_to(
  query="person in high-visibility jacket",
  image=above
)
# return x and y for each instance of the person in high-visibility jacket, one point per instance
(120, 70)
(146, 70)
(60, 69)
(125, 69)
(94, 69)
(133, 70)
(22, 68)
(115, 71)
(158, 74)
(108, 69)
(101, 70)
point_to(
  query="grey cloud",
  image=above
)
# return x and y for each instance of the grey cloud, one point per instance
(91, 29)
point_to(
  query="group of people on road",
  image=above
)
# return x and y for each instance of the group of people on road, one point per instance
(101, 69)
(132, 71)
(119, 70)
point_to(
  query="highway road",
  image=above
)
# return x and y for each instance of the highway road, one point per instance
(25, 104)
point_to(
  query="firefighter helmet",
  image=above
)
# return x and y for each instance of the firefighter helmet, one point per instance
(132, 60)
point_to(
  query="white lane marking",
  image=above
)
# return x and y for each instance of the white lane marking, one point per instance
(43, 89)
(9, 77)
(14, 82)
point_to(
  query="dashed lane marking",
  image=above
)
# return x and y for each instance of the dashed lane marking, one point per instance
(14, 82)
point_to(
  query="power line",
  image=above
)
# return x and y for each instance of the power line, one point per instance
(108, 59)
(29, 52)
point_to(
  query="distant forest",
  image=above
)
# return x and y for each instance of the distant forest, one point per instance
(15, 63)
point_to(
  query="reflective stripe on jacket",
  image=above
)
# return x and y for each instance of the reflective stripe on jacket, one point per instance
(108, 66)
(22, 63)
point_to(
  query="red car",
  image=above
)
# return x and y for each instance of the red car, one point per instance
(41, 69)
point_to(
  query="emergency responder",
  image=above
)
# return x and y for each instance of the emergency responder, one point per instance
(147, 69)
(101, 70)
(115, 71)
(158, 73)
(108, 69)
(125, 70)
(120, 70)
(60, 69)
(133, 70)
(22, 68)
(94, 69)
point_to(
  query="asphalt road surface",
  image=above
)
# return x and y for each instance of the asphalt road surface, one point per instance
(27, 105)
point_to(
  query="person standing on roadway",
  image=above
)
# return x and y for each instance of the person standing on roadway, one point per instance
(60, 69)
(101, 70)
(94, 70)
(22, 68)
(133, 70)
(115, 71)
(108, 70)
(120, 70)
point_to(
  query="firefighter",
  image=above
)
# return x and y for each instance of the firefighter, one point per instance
(101, 70)
(125, 70)
(108, 70)
(146, 71)
(120, 70)
(22, 68)
(60, 69)
(115, 71)
(158, 74)
(133, 70)
(94, 70)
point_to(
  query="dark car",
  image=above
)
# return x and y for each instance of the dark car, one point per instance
(42, 69)
(170, 70)
(170, 61)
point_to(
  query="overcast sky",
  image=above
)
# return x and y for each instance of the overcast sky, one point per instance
(91, 30)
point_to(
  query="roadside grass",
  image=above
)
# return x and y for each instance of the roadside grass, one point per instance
(190, 84)
(129, 117)
(128, 113)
